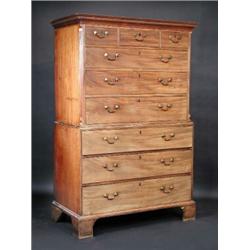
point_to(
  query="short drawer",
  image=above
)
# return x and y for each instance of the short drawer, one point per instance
(135, 109)
(135, 194)
(139, 37)
(128, 166)
(129, 83)
(136, 139)
(98, 35)
(174, 39)
(112, 58)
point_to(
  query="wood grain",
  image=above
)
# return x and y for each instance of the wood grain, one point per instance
(105, 35)
(83, 228)
(135, 109)
(134, 82)
(56, 213)
(129, 166)
(135, 194)
(123, 136)
(129, 140)
(123, 22)
(136, 58)
(138, 125)
(67, 75)
(139, 37)
(83, 225)
(171, 39)
(67, 170)
(189, 212)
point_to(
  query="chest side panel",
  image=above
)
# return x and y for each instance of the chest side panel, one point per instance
(67, 75)
(67, 160)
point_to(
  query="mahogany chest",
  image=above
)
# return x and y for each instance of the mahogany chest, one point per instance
(123, 138)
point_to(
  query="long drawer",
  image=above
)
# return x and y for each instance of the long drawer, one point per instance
(159, 59)
(135, 109)
(135, 139)
(128, 166)
(132, 82)
(135, 194)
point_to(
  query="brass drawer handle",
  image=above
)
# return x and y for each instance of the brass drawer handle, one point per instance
(139, 37)
(168, 137)
(111, 196)
(167, 162)
(175, 38)
(111, 81)
(166, 189)
(165, 82)
(165, 107)
(101, 33)
(111, 57)
(110, 140)
(166, 59)
(112, 110)
(112, 167)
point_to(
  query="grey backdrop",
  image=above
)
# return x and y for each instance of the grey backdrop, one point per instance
(203, 80)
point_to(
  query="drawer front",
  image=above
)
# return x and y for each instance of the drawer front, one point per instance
(136, 58)
(135, 139)
(129, 83)
(174, 39)
(139, 37)
(135, 109)
(135, 194)
(121, 167)
(97, 35)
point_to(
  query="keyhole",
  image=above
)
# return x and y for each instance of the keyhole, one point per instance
(140, 132)
(140, 184)
(140, 157)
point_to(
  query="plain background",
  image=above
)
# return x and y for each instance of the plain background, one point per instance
(203, 110)
(204, 74)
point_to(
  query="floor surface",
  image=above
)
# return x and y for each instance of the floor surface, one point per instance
(157, 230)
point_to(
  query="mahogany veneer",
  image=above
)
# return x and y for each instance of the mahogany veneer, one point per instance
(123, 136)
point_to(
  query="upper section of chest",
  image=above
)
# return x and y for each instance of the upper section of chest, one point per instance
(106, 31)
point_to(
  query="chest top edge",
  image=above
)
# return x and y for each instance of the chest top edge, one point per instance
(122, 21)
